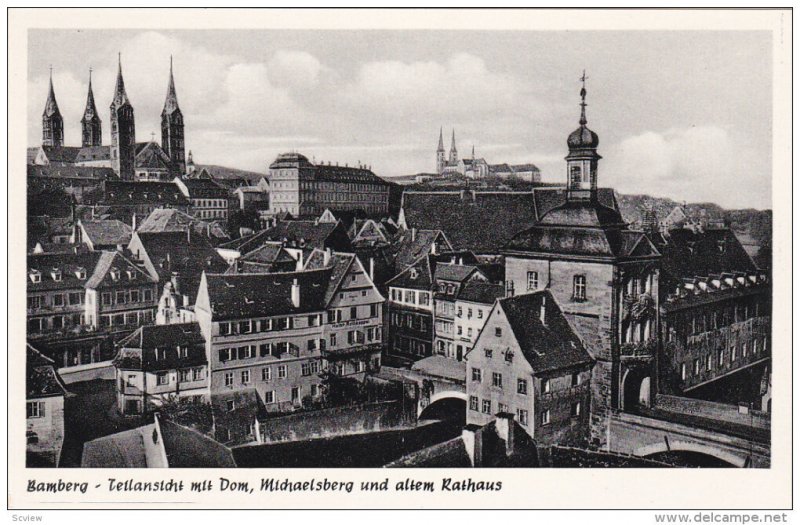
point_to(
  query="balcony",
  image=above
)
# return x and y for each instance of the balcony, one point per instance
(638, 350)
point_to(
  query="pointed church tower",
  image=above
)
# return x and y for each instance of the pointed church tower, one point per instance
(440, 158)
(582, 159)
(91, 126)
(52, 122)
(172, 129)
(453, 152)
(123, 130)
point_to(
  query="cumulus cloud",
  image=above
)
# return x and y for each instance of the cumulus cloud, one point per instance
(700, 163)
(295, 69)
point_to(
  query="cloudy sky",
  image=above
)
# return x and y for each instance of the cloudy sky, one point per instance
(685, 115)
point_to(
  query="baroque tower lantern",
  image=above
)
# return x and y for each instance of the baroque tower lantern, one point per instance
(582, 158)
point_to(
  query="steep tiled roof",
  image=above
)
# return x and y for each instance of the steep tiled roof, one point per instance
(263, 295)
(123, 450)
(41, 378)
(481, 292)
(418, 275)
(107, 232)
(149, 155)
(205, 189)
(71, 172)
(188, 448)
(688, 254)
(550, 346)
(108, 260)
(61, 154)
(478, 221)
(413, 245)
(90, 153)
(138, 350)
(69, 265)
(269, 252)
(453, 272)
(306, 234)
(124, 193)
(172, 220)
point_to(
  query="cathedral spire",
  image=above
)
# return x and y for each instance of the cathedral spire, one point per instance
(441, 141)
(52, 122)
(51, 106)
(120, 97)
(453, 152)
(90, 123)
(91, 110)
(171, 102)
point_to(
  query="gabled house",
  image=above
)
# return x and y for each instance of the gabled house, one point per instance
(529, 361)
(103, 234)
(44, 403)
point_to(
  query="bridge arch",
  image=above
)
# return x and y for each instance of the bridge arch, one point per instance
(692, 446)
(447, 402)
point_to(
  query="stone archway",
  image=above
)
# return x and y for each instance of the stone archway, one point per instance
(636, 389)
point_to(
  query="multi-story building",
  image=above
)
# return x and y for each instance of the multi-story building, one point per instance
(304, 189)
(57, 293)
(529, 362)
(119, 294)
(604, 275)
(210, 201)
(449, 279)
(126, 199)
(472, 307)
(271, 335)
(716, 317)
(44, 404)
(159, 362)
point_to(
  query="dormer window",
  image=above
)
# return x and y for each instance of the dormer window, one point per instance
(36, 276)
(115, 274)
(80, 273)
(56, 274)
(413, 273)
(131, 275)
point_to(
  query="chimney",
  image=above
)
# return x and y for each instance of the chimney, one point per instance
(473, 443)
(433, 248)
(326, 260)
(133, 222)
(372, 269)
(413, 234)
(504, 425)
(295, 294)
(543, 310)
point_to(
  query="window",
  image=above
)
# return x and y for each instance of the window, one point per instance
(579, 287)
(545, 386)
(105, 298)
(266, 349)
(34, 302)
(533, 280)
(75, 298)
(228, 378)
(197, 374)
(148, 294)
(696, 367)
(373, 310)
(353, 312)
(282, 372)
(522, 386)
(575, 410)
(488, 353)
(360, 366)
(244, 327)
(733, 354)
(266, 374)
(305, 369)
(522, 417)
(184, 376)
(269, 397)
(224, 328)
(576, 378)
(295, 394)
(134, 296)
(230, 405)
(720, 358)
(502, 407)
(476, 375)
(409, 296)
(683, 371)
(509, 356)
(162, 379)
(709, 362)
(120, 297)
(224, 354)
(333, 340)
(473, 403)
(545, 417)
(486, 406)
(245, 376)
(35, 409)
(424, 299)
(312, 344)
(480, 313)
(497, 379)
(498, 332)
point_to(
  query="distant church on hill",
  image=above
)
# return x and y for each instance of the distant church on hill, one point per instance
(130, 160)
(448, 164)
